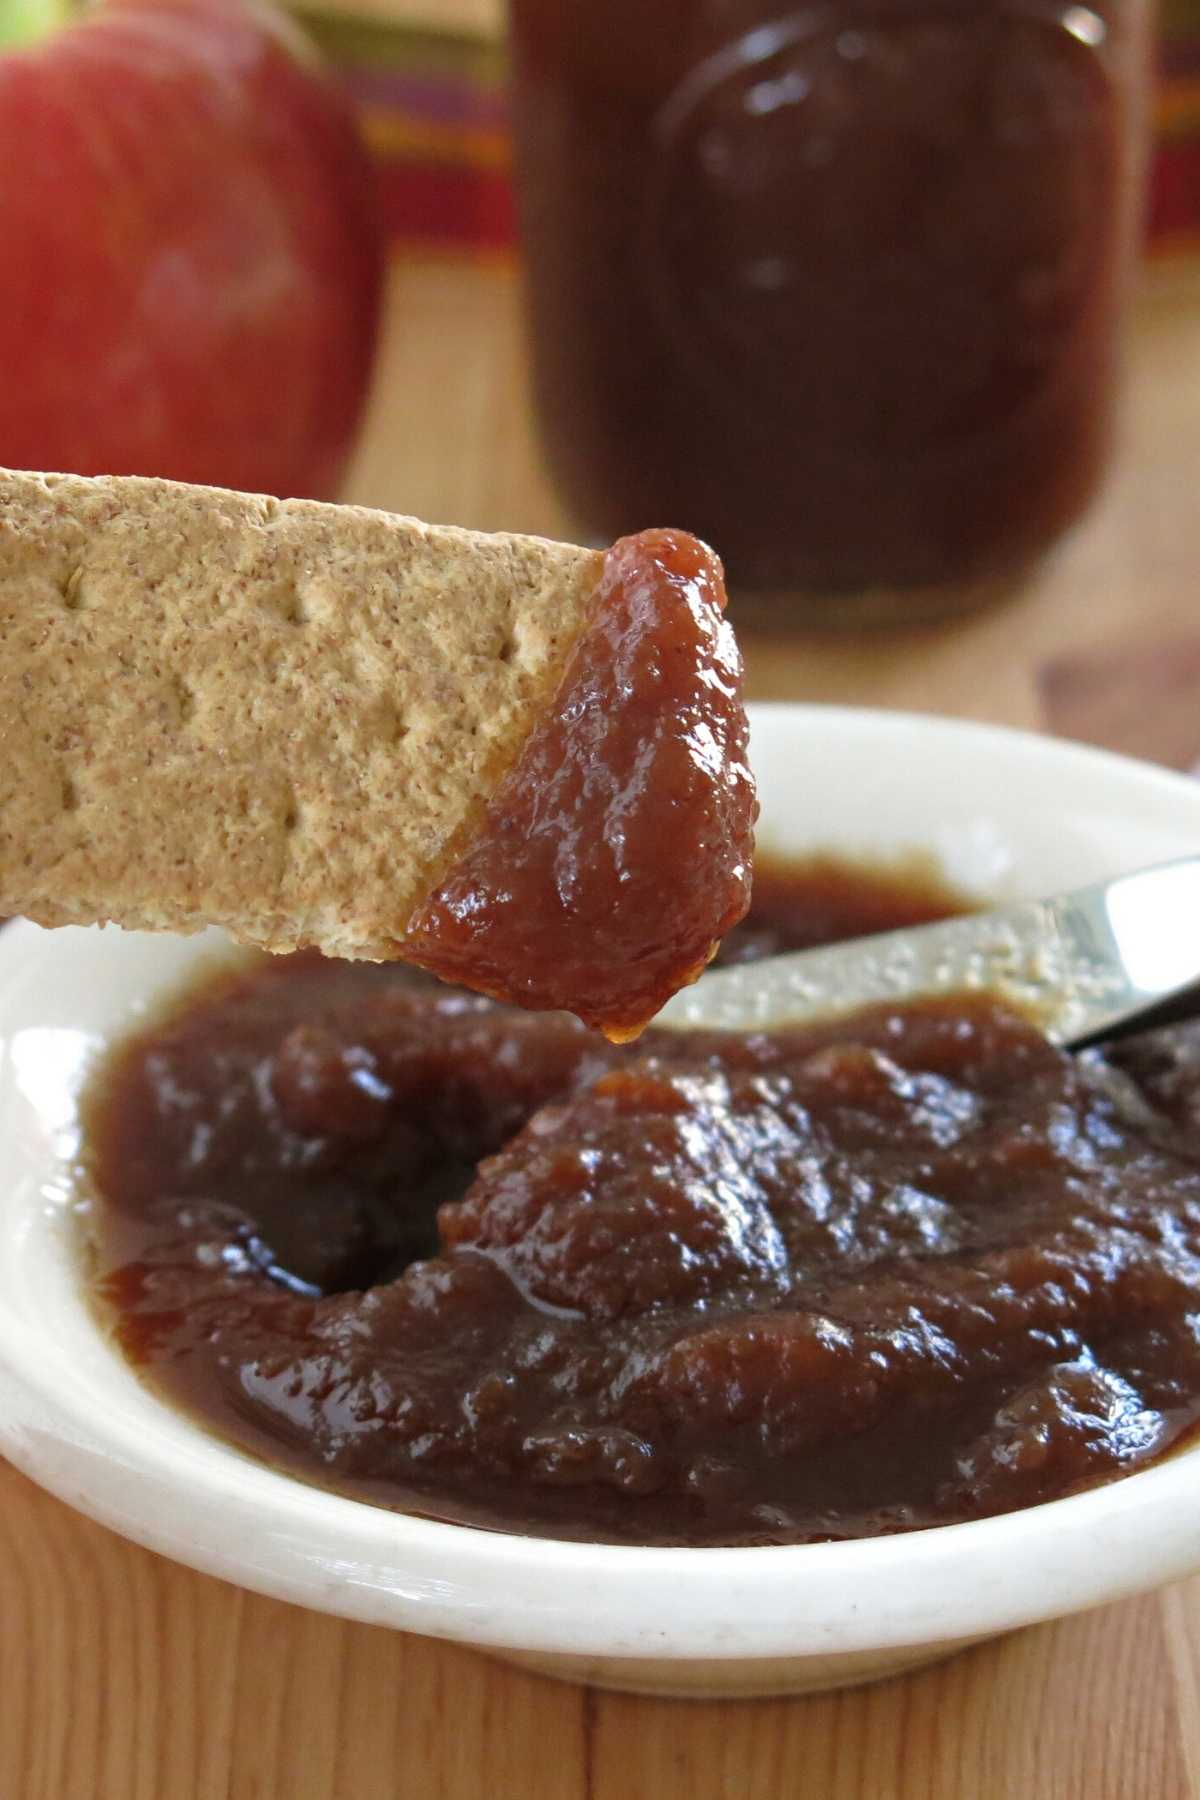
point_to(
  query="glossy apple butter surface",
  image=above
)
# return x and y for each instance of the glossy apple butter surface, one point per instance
(634, 785)
(912, 1267)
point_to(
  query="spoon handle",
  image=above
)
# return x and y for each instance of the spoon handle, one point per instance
(1084, 965)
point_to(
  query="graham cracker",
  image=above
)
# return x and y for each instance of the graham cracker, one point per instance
(281, 717)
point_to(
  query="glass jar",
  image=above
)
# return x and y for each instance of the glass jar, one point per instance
(837, 287)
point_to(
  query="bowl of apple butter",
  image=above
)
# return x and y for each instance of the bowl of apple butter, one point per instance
(710, 1363)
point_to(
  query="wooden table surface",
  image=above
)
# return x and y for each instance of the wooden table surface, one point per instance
(126, 1677)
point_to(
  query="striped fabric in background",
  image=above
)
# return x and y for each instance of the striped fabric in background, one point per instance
(433, 108)
(434, 112)
(1175, 189)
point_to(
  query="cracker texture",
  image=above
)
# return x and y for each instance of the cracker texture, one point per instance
(281, 717)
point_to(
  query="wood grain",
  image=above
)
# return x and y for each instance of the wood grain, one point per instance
(124, 1677)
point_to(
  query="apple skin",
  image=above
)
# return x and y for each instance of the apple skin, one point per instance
(190, 252)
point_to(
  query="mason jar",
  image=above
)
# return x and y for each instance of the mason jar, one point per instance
(837, 286)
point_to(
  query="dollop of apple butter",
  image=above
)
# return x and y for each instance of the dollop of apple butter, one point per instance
(616, 853)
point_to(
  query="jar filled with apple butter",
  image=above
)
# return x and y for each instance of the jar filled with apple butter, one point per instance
(836, 286)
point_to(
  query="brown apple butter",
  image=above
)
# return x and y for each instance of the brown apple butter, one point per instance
(911, 1267)
(616, 853)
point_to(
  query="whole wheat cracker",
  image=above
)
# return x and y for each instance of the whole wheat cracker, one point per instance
(285, 718)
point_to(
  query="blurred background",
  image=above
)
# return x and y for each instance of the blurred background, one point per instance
(900, 307)
(430, 77)
(1098, 640)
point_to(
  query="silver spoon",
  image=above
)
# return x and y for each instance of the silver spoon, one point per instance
(1093, 964)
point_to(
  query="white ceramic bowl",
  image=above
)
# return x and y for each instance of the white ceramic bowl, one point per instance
(1006, 815)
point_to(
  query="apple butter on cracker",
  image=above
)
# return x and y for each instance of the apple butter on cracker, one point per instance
(519, 764)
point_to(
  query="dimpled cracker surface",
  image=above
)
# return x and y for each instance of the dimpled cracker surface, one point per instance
(281, 717)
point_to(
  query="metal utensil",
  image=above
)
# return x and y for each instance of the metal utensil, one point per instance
(1096, 963)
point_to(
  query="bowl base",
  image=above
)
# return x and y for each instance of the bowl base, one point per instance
(755, 1678)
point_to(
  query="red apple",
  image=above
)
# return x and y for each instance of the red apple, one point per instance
(190, 255)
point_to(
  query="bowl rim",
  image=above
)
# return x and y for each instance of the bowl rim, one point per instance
(221, 1511)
